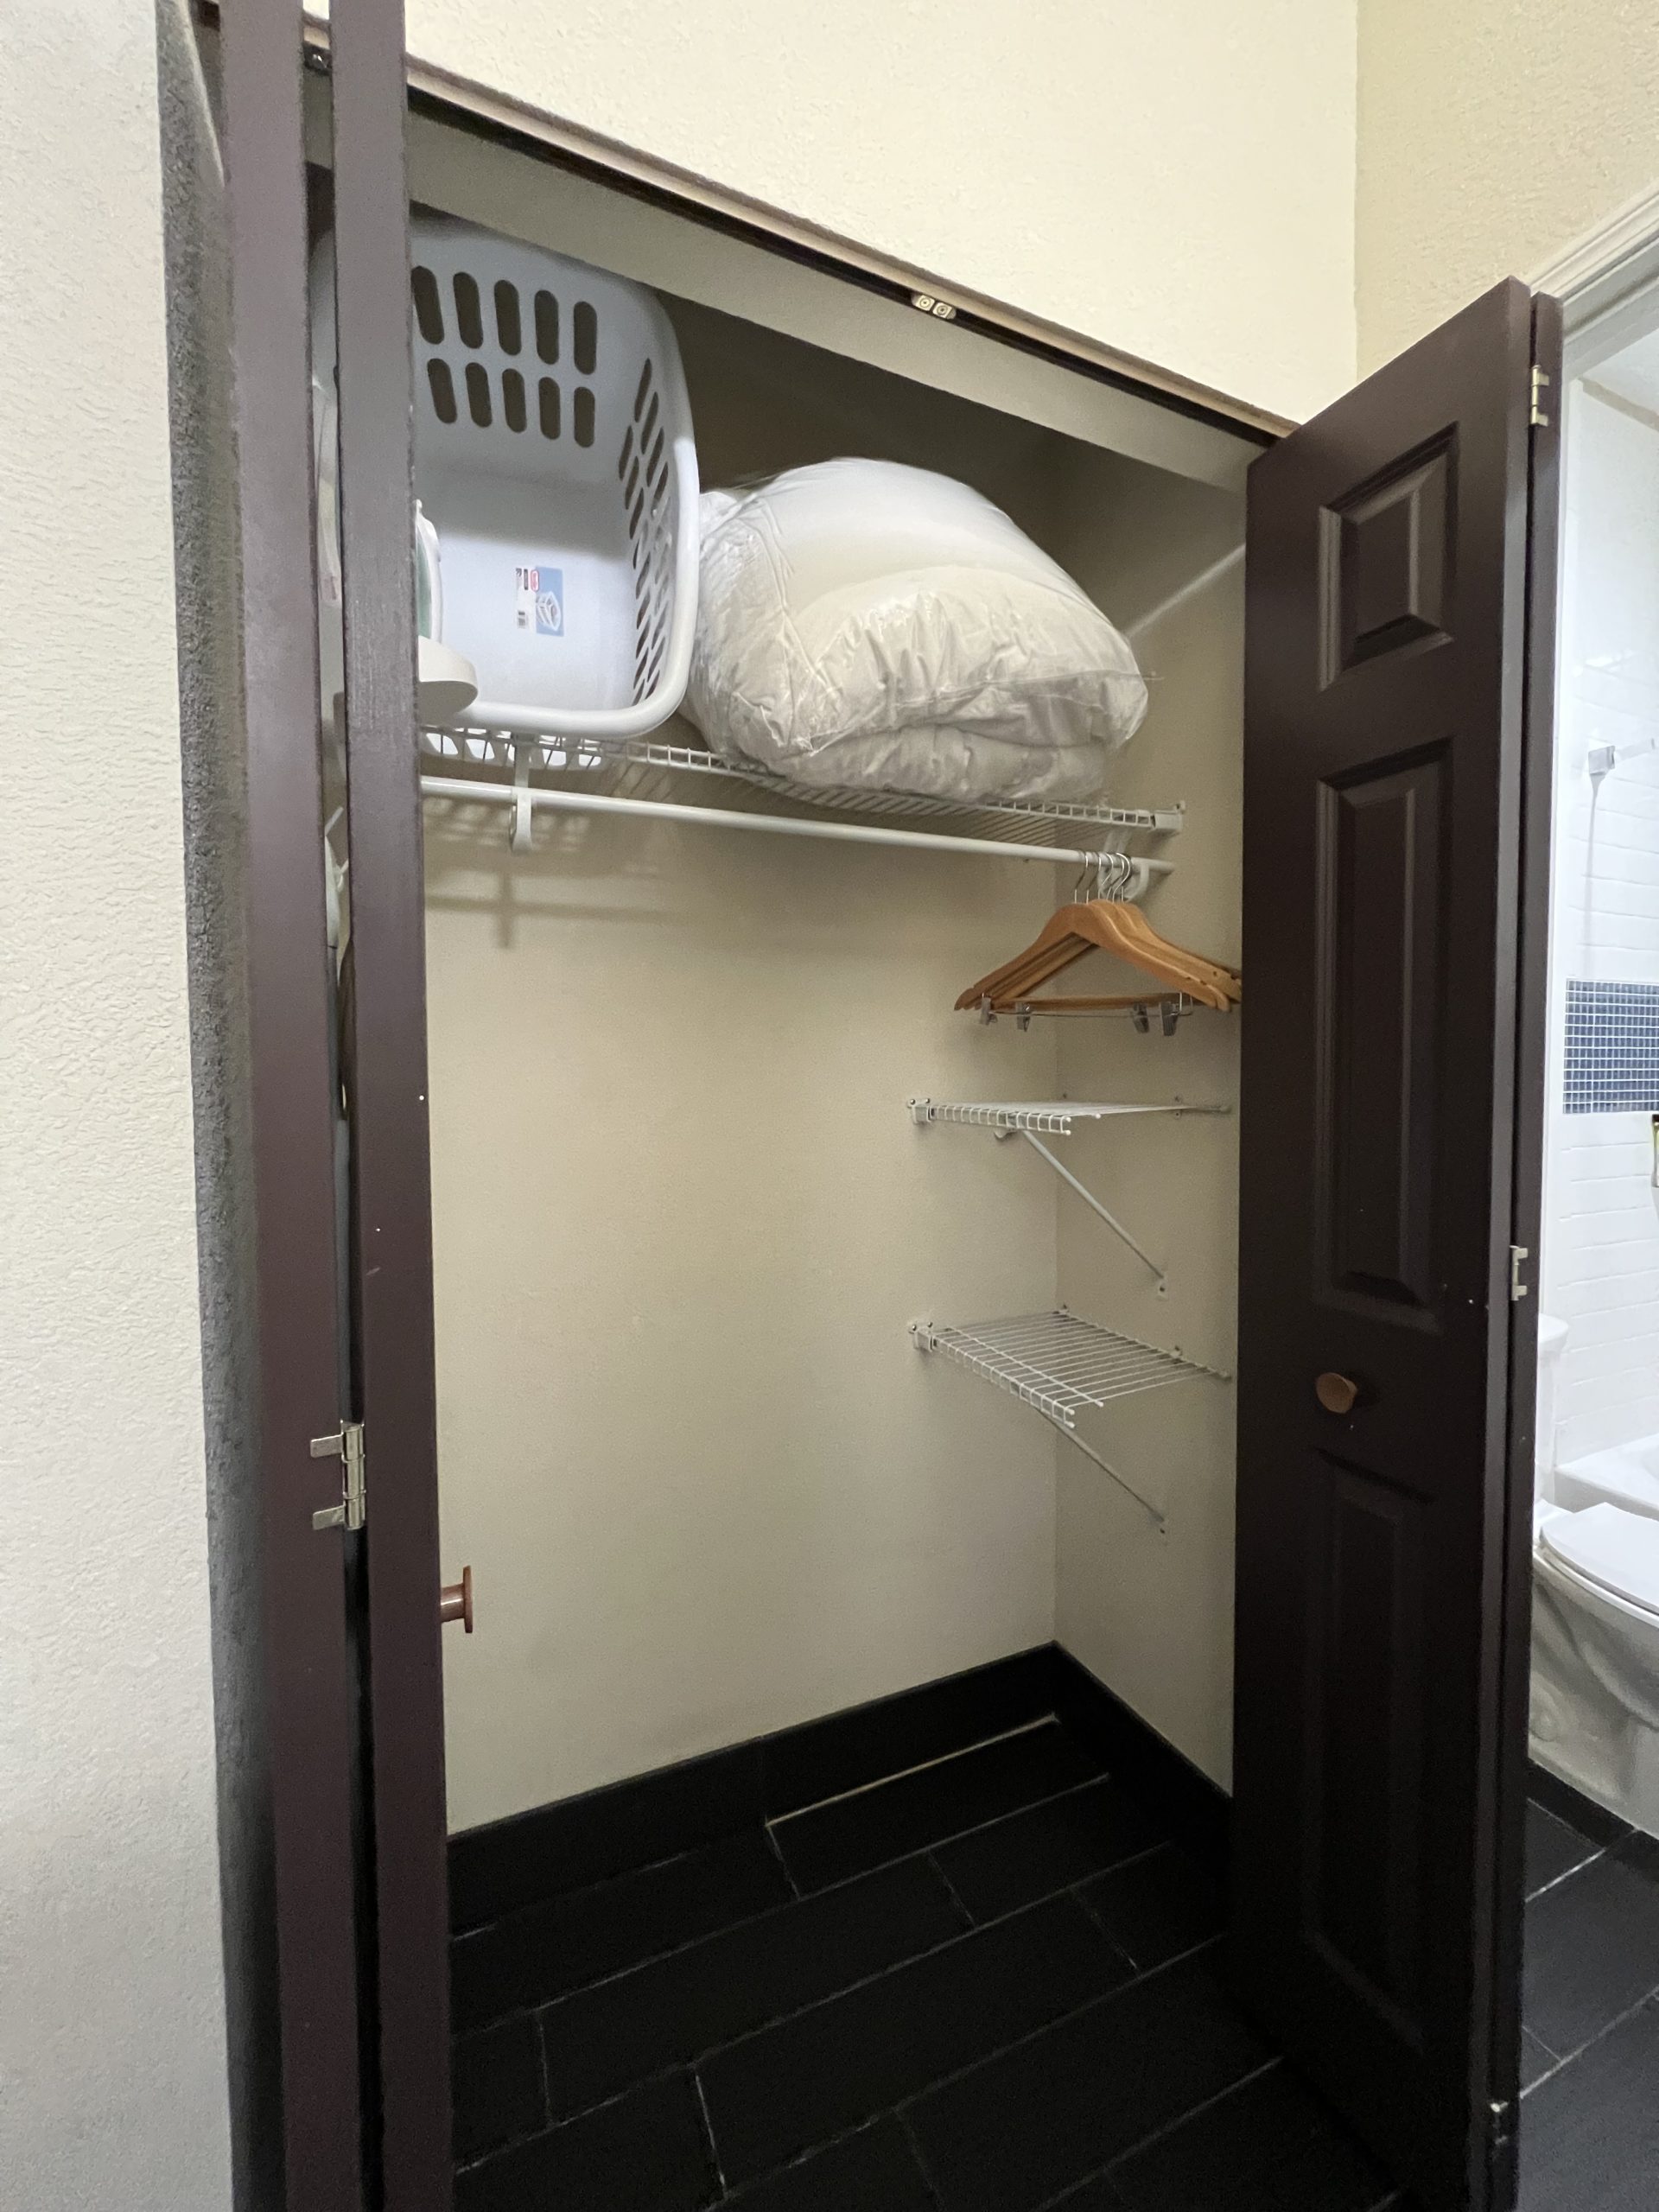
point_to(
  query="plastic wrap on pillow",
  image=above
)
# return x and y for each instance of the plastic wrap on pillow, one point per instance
(864, 623)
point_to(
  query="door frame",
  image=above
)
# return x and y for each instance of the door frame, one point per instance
(1526, 1187)
(398, 2072)
(299, 1640)
(384, 1066)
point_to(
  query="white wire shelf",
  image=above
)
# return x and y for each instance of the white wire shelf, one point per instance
(1059, 1365)
(1060, 1362)
(645, 768)
(1051, 1117)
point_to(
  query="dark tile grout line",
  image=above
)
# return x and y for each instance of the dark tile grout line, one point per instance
(1073, 1890)
(795, 1891)
(796, 2159)
(1547, 1889)
(708, 2126)
(904, 1773)
(786, 1904)
(691, 2066)
(951, 1891)
(959, 1835)
(1089, 1881)
(1572, 2057)
(922, 2167)
(1563, 2060)
(1059, 2020)
(1154, 2135)
(767, 1822)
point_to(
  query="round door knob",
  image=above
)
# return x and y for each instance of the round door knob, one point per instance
(455, 1601)
(1338, 1394)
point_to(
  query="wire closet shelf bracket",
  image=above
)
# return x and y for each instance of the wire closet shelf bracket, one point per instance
(1061, 1365)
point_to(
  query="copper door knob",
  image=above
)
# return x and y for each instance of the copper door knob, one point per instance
(1338, 1394)
(455, 1601)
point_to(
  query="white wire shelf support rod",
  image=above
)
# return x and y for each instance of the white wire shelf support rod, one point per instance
(1056, 1119)
(1133, 875)
(1159, 1275)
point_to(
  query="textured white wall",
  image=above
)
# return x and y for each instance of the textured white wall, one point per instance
(112, 2059)
(1601, 1230)
(1492, 134)
(1177, 181)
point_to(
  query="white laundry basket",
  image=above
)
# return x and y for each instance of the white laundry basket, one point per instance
(556, 476)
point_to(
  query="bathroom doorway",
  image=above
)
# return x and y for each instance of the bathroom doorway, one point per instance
(1590, 2128)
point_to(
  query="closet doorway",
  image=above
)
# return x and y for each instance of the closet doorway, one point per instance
(1376, 695)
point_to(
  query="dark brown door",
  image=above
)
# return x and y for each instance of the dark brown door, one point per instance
(297, 2081)
(1378, 1738)
(386, 1082)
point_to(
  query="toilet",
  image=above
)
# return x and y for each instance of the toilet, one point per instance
(1595, 1612)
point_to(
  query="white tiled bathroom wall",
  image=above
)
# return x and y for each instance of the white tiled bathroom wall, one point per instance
(1600, 1256)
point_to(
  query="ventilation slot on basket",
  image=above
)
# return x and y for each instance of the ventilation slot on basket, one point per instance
(443, 390)
(547, 327)
(584, 326)
(583, 413)
(507, 328)
(469, 319)
(548, 396)
(428, 307)
(513, 399)
(478, 395)
(643, 466)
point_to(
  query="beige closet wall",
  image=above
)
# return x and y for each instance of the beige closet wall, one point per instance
(1152, 1615)
(1177, 181)
(1492, 133)
(112, 2039)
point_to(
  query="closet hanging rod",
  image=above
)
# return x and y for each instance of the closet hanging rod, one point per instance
(523, 797)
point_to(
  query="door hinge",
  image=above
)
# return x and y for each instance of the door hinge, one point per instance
(1540, 379)
(346, 1445)
(1517, 1289)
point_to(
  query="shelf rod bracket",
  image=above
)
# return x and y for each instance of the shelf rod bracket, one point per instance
(522, 837)
(1089, 1199)
(1158, 1520)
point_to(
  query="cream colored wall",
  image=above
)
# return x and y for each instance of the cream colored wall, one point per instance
(1151, 1615)
(706, 1485)
(112, 2038)
(1492, 134)
(1175, 181)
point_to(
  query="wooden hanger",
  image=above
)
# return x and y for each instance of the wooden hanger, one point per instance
(1111, 925)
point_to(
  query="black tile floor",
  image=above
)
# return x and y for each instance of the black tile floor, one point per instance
(991, 1985)
(1590, 2064)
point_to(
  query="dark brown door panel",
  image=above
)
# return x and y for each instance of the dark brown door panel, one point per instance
(1387, 642)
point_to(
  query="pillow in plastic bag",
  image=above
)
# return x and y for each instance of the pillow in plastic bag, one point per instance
(864, 623)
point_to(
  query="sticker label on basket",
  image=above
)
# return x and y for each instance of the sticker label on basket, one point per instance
(541, 600)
